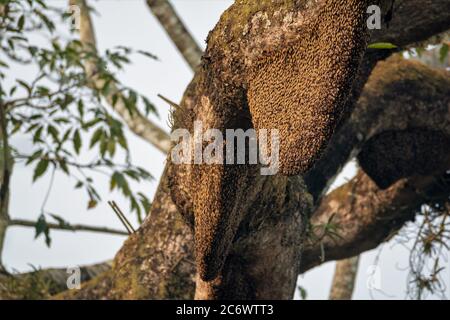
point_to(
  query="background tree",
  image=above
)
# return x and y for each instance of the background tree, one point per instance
(61, 110)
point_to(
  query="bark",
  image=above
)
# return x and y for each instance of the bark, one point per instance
(177, 31)
(67, 227)
(156, 262)
(414, 22)
(344, 279)
(137, 122)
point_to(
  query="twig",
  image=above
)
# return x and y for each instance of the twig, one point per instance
(122, 217)
(177, 31)
(170, 102)
(66, 227)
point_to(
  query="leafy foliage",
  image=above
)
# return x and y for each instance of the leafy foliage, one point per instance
(60, 111)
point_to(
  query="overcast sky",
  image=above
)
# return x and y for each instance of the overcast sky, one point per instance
(130, 23)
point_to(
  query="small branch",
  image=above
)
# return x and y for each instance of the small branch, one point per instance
(15, 285)
(122, 217)
(178, 33)
(169, 102)
(68, 227)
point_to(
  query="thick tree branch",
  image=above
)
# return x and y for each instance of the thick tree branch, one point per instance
(177, 31)
(366, 215)
(137, 122)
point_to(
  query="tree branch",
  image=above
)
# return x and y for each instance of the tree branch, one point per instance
(67, 227)
(44, 283)
(344, 279)
(137, 122)
(177, 31)
(366, 215)
(414, 21)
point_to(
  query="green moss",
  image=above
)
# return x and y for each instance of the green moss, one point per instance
(240, 13)
(30, 286)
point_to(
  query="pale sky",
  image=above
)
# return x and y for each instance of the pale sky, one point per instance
(130, 23)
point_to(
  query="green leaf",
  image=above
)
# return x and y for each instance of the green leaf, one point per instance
(37, 135)
(382, 45)
(303, 293)
(419, 51)
(77, 141)
(42, 91)
(32, 50)
(130, 102)
(115, 97)
(113, 182)
(63, 165)
(21, 22)
(25, 85)
(91, 123)
(149, 107)
(40, 169)
(13, 90)
(148, 54)
(122, 141)
(98, 134)
(103, 146)
(443, 52)
(111, 147)
(34, 156)
(53, 132)
(146, 204)
(41, 227)
(80, 107)
(60, 220)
